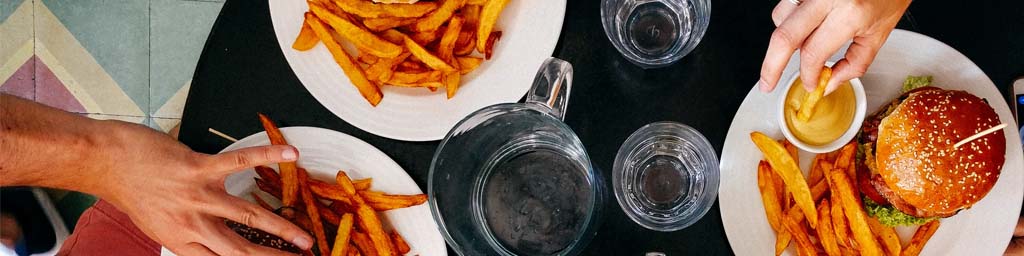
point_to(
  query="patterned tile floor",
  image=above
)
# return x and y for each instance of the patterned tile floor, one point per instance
(130, 60)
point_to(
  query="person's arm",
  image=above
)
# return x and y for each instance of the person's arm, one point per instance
(173, 194)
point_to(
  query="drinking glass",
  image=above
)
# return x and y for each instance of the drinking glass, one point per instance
(655, 33)
(665, 176)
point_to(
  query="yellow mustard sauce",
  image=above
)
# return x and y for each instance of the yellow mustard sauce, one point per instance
(831, 117)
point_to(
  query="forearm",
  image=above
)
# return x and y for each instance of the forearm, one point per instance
(47, 147)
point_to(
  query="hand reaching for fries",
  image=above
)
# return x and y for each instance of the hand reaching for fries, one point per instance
(1016, 246)
(174, 195)
(819, 28)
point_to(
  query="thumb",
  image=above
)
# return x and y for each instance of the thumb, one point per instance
(229, 162)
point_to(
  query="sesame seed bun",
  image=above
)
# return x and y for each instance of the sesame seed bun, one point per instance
(916, 158)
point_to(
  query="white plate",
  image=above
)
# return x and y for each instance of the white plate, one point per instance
(530, 31)
(323, 152)
(984, 229)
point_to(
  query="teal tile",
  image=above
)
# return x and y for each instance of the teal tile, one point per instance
(116, 34)
(179, 31)
(7, 7)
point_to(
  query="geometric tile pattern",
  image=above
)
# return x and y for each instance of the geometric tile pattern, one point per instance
(108, 59)
(128, 60)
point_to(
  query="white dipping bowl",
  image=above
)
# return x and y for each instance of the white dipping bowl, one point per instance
(858, 117)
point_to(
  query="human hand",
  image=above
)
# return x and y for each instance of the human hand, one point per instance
(1016, 246)
(177, 196)
(819, 28)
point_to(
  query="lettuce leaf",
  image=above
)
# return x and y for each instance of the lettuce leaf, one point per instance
(914, 82)
(892, 217)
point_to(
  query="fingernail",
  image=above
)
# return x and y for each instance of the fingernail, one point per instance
(763, 85)
(289, 154)
(302, 242)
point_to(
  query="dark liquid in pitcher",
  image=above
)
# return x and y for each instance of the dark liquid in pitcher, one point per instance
(653, 28)
(536, 201)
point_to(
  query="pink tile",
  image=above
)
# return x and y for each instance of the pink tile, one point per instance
(51, 91)
(22, 83)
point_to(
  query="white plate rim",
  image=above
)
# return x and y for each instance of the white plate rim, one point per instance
(530, 35)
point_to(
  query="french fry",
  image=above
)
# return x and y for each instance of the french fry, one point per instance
(489, 45)
(887, 235)
(807, 107)
(854, 210)
(782, 242)
(804, 245)
(362, 184)
(383, 70)
(845, 157)
(476, 2)
(446, 48)
(769, 197)
(393, 36)
(314, 215)
(791, 149)
(826, 236)
(367, 59)
(446, 51)
(268, 174)
(306, 39)
(382, 24)
(488, 17)
(467, 47)
(367, 9)
(378, 201)
(468, 64)
(400, 245)
(341, 240)
(289, 176)
(920, 238)
(429, 85)
(784, 165)
(815, 174)
(426, 37)
(795, 213)
(844, 162)
(842, 229)
(428, 58)
(411, 66)
(432, 21)
(364, 244)
(368, 90)
(471, 12)
(411, 78)
(362, 39)
(378, 197)
(368, 219)
(326, 214)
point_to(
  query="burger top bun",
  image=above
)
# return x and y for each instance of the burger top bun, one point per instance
(916, 157)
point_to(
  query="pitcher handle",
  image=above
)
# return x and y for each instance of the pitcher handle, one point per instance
(551, 86)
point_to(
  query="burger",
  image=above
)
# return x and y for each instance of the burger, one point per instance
(908, 169)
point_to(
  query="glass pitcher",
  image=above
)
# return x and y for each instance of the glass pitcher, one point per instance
(513, 179)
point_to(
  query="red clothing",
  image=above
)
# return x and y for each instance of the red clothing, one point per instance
(104, 230)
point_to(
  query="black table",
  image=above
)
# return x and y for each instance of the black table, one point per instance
(242, 71)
